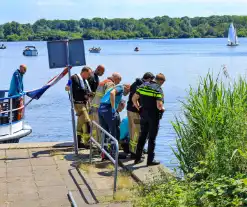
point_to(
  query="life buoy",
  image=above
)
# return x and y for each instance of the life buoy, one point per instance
(20, 111)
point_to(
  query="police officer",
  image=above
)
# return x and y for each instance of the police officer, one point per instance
(81, 93)
(151, 109)
(133, 113)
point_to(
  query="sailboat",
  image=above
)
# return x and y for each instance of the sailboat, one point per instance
(232, 36)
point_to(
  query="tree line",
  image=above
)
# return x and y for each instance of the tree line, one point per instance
(102, 28)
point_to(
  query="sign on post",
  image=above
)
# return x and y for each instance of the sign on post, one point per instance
(63, 53)
(67, 53)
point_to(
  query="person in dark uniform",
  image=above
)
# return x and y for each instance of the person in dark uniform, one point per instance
(133, 113)
(151, 107)
(81, 93)
(93, 80)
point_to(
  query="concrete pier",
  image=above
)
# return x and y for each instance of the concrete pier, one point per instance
(42, 174)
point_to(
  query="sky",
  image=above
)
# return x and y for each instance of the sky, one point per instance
(28, 11)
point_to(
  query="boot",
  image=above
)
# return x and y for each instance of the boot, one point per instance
(152, 163)
(80, 145)
(138, 161)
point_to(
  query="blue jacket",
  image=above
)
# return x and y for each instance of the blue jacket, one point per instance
(16, 84)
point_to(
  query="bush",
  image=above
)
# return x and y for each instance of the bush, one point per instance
(220, 192)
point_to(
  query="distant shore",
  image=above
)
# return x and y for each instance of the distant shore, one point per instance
(162, 27)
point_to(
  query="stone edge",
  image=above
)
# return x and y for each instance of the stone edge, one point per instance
(35, 145)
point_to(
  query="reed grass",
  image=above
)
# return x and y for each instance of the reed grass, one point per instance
(213, 126)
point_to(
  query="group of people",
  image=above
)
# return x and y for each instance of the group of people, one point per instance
(102, 101)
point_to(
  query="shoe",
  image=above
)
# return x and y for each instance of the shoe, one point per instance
(154, 162)
(81, 145)
(138, 161)
(121, 156)
(133, 156)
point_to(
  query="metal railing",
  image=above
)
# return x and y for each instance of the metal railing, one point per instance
(7, 110)
(72, 200)
(101, 147)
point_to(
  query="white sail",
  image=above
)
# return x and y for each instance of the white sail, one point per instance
(231, 34)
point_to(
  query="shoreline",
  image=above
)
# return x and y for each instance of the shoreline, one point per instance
(153, 38)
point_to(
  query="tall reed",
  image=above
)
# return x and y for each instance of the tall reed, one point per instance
(213, 126)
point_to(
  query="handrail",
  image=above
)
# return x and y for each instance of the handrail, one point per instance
(16, 109)
(101, 147)
(11, 114)
(11, 97)
(72, 200)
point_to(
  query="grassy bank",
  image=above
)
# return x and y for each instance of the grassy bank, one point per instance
(211, 150)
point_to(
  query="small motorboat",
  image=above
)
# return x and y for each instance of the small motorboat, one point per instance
(12, 123)
(95, 50)
(2, 47)
(137, 49)
(30, 51)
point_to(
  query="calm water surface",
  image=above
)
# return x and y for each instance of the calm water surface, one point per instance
(182, 61)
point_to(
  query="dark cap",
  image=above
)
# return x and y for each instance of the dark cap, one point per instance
(148, 75)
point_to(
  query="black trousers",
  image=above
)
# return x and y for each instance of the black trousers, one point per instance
(149, 130)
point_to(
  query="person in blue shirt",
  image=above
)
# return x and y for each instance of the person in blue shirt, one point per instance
(16, 84)
(108, 106)
(16, 88)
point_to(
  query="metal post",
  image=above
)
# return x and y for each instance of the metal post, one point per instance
(71, 198)
(116, 171)
(23, 112)
(11, 116)
(91, 135)
(71, 101)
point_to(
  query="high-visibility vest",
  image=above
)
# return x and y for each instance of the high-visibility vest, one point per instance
(100, 92)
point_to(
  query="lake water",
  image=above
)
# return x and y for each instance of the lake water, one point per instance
(182, 61)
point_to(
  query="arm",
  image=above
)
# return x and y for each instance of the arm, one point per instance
(112, 98)
(18, 84)
(67, 87)
(135, 99)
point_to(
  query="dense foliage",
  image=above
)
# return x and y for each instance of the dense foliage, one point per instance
(98, 28)
(211, 150)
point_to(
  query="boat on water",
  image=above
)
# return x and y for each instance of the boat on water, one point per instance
(95, 50)
(30, 51)
(2, 47)
(12, 118)
(137, 49)
(232, 36)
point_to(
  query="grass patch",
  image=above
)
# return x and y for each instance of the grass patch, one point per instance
(86, 167)
(125, 180)
(110, 167)
(120, 196)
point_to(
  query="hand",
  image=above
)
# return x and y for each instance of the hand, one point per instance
(137, 107)
(113, 110)
(67, 88)
(91, 94)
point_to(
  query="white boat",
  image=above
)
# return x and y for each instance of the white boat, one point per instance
(232, 36)
(95, 50)
(12, 118)
(30, 51)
